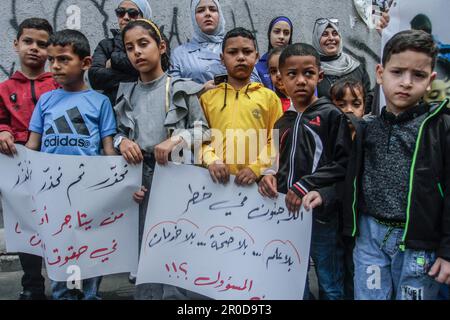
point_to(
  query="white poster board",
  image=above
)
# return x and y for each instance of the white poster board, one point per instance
(224, 242)
(71, 210)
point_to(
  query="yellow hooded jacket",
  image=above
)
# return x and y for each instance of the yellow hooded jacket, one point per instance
(241, 123)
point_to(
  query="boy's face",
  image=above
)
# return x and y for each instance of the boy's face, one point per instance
(239, 57)
(32, 48)
(67, 67)
(405, 78)
(300, 76)
(351, 104)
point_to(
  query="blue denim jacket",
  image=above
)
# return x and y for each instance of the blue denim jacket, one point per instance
(199, 62)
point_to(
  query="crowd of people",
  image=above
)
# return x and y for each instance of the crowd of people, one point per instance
(378, 185)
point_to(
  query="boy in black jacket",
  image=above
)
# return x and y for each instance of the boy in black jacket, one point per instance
(399, 203)
(314, 148)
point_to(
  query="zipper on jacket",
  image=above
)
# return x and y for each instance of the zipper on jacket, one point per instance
(33, 92)
(441, 191)
(413, 167)
(354, 207)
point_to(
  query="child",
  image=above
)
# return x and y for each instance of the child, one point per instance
(69, 58)
(273, 63)
(174, 106)
(348, 95)
(236, 107)
(110, 65)
(401, 196)
(314, 149)
(280, 34)
(18, 97)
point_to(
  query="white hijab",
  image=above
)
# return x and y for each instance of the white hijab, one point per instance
(199, 35)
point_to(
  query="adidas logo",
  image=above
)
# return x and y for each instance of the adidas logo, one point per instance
(63, 126)
(315, 121)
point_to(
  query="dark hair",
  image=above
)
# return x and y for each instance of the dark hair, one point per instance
(273, 52)
(415, 40)
(272, 24)
(422, 22)
(337, 91)
(299, 49)
(74, 38)
(156, 34)
(35, 23)
(238, 32)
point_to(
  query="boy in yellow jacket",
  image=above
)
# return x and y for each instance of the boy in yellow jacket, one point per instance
(241, 116)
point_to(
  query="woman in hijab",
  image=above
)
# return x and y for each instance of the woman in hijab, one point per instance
(199, 59)
(110, 64)
(335, 63)
(279, 35)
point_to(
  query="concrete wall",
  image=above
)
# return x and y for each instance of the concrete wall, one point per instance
(96, 17)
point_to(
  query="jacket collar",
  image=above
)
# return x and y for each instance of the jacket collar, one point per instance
(19, 76)
(407, 115)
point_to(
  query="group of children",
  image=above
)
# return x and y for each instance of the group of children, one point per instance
(384, 180)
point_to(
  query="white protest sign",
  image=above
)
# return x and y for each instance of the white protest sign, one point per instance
(224, 242)
(71, 210)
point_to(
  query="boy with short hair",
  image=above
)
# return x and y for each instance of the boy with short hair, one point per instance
(314, 149)
(73, 112)
(235, 107)
(18, 97)
(401, 196)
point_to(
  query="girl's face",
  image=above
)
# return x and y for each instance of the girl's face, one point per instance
(275, 72)
(351, 103)
(143, 51)
(207, 16)
(330, 42)
(127, 12)
(280, 34)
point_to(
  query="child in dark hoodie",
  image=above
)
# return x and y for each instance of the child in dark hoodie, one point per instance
(314, 148)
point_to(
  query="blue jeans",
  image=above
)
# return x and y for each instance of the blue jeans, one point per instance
(384, 272)
(324, 253)
(89, 290)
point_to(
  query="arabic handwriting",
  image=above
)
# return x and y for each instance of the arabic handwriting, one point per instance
(272, 214)
(104, 252)
(80, 177)
(218, 283)
(24, 173)
(66, 222)
(35, 240)
(115, 179)
(280, 258)
(84, 224)
(221, 205)
(17, 229)
(112, 219)
(54, 179)
(196, 198)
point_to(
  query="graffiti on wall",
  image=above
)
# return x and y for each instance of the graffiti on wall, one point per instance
(67, 14)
